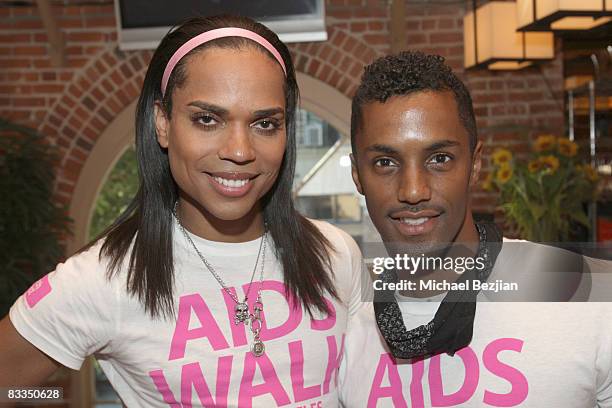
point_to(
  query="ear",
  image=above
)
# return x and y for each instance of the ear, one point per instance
(162, 123)
(355, 174)
(476, 164)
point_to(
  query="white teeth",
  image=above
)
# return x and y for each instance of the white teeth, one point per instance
(231, 183)
(414, 221)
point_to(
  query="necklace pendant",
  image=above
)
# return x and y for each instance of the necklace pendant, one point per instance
(257, 309)
(241, 312)
(258, 348)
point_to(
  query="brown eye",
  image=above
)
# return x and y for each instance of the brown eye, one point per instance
(207, 120)
(267, 125)
(440, 158)
(384, 162)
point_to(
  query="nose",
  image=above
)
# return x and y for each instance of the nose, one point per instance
(237, 147)
(414, 185)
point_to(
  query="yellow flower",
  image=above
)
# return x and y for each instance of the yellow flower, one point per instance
(534, 166)
(544, 143)
(487, 184)
(504, 173)
(501, 156)
(549, 163)
(567, 148)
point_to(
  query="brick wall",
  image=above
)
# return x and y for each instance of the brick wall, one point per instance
(73, 105)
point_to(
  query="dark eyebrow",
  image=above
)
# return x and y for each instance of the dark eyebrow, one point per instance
(209, 107)
(262, 113)
(379, 148)
(222, 111)
(441, 145)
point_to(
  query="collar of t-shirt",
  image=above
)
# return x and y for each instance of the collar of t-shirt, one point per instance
(419, 311)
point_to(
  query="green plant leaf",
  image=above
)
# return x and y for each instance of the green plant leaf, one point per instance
(31, 225)
(580, 217)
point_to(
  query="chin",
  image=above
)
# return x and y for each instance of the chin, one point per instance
(227, 214)
(411, 247)
(224, 210)
(398, 243)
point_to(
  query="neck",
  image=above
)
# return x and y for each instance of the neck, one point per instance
(200, 222)
(468, 236)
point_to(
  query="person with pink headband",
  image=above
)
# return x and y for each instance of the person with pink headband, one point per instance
(210, 289)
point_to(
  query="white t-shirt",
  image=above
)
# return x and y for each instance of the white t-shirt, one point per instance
(200, 358)
(527, 354)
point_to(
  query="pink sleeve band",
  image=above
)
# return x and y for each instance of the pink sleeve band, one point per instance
(213, 35)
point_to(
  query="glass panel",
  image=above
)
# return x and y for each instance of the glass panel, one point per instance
(323, 185)
(314, 138)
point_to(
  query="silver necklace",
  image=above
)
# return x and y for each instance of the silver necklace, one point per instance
(241, 309)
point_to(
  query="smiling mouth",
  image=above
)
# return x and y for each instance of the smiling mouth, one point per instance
(414, 221)
(231, 183)
(228, 178)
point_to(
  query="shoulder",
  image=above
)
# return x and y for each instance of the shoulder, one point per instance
(87, 261)
(339, 239)
(347, 265)
(507, 240)
(323, 226)
(89, 269)
(598, 265)
(600, 273)
(542, 272)
(534, 253)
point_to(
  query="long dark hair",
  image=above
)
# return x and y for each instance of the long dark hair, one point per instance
(147, 222)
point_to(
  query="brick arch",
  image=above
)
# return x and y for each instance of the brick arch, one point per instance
(338, 62)
(103, 88)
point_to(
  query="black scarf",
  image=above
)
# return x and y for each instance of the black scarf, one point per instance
(452, 327)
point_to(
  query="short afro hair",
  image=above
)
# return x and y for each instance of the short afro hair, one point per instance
(407, 73)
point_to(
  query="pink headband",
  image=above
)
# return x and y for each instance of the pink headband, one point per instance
(213, 35)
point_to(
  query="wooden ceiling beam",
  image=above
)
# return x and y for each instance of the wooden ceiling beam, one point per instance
(398, 26)
(56, 39)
